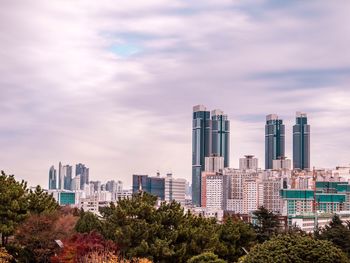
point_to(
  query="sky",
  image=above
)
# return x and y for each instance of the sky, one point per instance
(111, 84)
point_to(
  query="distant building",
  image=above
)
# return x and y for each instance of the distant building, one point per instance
(301, 142)
(274, 140)
(248, 163)
(152, 185)
(281, 163)
(64, 197)
(201, 148)
(210, 137)
(215, 190)
(83, 171)
(174, 189)
(67, 175)
(52, 178)
(221, 135)
(214, 164)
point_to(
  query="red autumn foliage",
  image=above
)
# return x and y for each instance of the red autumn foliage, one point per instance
(80, 245)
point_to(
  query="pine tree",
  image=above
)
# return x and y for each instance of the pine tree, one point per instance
(13, 205)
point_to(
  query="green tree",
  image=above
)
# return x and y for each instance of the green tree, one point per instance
(13, 205)
(88, 222)
(337, 233)
(168, 234)
(206, 257)
(234, 236)
(296, 249)
(131, 224)
(267, 224)
(40, 201)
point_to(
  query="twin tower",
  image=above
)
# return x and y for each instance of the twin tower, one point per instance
(211, 137)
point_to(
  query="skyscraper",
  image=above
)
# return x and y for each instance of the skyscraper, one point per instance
(301, 142)
(52, 178)
(274, 140)
(201, 148)
(67, 171)
(221, 136)
(83, 171)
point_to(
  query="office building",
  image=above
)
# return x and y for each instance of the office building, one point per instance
(274, 140)
(221, 136)
(301, 142)
(152, 185)
(52, 178)
(201, 148)
(248, 163)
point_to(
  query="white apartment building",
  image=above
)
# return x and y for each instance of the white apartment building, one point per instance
(174, 189)
(248, 163)
(214, 164)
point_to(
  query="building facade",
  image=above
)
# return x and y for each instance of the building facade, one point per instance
(152, 185)
(52, 178)
(301, 142)
(248, 163)
(274, 140)
(201, 148)
(221, 135)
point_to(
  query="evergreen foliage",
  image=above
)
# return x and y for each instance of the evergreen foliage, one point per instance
(13, 205)
(337, 233)
(268, 224)
(40, 201)
(296, 249)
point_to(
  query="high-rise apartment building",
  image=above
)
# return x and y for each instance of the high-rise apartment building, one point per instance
(274, 140)
(214, 164)
(52, 178)
(221, 135)
(248, 163)
(201, 148)
(210, 137)
(301, 142)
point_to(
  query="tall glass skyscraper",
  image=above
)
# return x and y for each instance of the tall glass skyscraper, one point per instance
(274, 140)
(221, 136)
(301, 142)
(52, 178)
(201, 148)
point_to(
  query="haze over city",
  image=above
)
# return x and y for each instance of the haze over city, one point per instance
(112, 84)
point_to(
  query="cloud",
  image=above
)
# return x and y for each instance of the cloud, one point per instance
(112, 84)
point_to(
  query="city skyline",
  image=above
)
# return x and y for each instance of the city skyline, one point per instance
(92, 83)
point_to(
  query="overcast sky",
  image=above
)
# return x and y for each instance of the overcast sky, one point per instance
(112, 83)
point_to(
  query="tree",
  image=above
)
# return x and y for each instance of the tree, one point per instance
(337, 233)
(206, 257)
(5, 257)
(36, 236)
(296, 249)
(85, 247)
(88, 222)
(40, 201)
(13, 205)
(234, 236)
(167, 234)
(267, 224)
